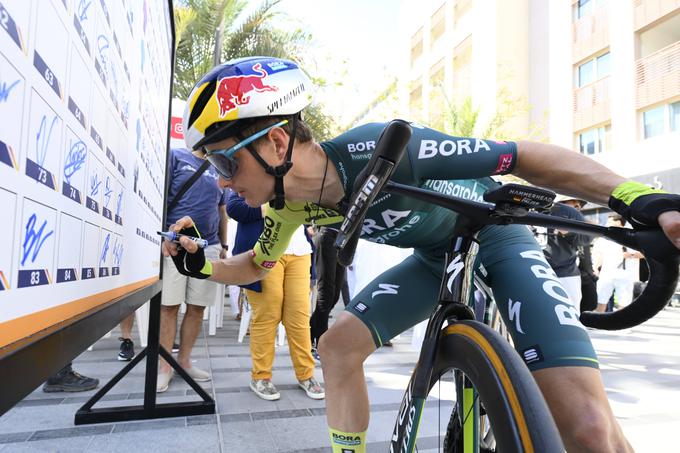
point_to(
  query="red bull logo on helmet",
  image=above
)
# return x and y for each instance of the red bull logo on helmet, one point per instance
(233, 91)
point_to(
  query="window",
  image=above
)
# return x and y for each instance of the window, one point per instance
(594, 141)
(675, 116)
(460, 9)
(416, 45)
(438, 25)
(586, 7)
(586, 73)
(594, 69)
(653, 121)
(603, 65)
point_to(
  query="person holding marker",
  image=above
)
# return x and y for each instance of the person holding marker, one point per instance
(205, 202)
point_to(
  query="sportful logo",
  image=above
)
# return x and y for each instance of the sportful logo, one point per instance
(233, 91)
(385, 288)
(430, 148)
(361, 307)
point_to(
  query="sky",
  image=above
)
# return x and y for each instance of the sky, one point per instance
(355, 43)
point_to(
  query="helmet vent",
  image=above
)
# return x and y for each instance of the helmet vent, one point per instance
(201, 102)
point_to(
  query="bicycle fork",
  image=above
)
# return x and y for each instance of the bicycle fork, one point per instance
(457, 284)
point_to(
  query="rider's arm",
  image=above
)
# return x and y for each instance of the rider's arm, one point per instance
(237, 270)
(565, 171)
(571, 173)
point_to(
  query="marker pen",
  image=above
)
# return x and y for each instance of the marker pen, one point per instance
(174, 237)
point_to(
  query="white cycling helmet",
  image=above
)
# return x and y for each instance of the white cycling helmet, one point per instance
(245, 88)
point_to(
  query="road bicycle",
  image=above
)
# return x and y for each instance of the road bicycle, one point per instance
(498, 404)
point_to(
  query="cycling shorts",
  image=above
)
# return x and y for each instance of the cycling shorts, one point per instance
(535, 307)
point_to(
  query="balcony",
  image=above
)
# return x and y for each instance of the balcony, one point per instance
(649, 11)
(591, 33)
(591, 104)
(658, 76)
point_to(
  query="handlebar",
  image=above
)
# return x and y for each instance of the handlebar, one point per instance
(662, 256)
(388, 152)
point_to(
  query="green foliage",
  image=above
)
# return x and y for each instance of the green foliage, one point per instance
(212, 31)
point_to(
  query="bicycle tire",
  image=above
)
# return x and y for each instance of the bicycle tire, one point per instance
(520, 418)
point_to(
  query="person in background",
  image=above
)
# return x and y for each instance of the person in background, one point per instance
(562, 249)
(611, 261)
(127, 346)
(282, 296)
(332, 282)
(67, 380)
(205, 202)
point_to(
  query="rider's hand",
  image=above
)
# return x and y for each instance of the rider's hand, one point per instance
(188, 257)
(670, 224)
(643, 207)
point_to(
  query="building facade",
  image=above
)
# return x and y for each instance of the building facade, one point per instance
(601, 77)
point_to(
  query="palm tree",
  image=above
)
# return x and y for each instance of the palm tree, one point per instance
(211, 31)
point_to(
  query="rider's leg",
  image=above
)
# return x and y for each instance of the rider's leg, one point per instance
(393, 302)
(579, 405)
(343, 349)
(549, 337)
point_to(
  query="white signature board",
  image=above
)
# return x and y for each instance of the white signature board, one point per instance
(84, 115)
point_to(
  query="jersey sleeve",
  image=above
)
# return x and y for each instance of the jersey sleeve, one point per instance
(434, 155)
(281, 224)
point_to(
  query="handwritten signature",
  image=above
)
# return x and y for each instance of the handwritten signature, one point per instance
(5, 89)
(74, 159)
(33, 240)
(117, 253)
(102, 49)
(94, 184)
(105, 249)
(138, 131)
(107, 191)
(119, 203)
(43, 139)
(83, 6)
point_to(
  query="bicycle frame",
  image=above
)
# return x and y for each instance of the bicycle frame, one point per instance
(456, 286)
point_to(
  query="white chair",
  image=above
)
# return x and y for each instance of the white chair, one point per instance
(245, 316)
(216, 311)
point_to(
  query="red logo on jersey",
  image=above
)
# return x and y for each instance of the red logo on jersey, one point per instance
(268, 264)
(504, 164)
(233, 91)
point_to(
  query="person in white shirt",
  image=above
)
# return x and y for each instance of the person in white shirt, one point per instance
(616, 268)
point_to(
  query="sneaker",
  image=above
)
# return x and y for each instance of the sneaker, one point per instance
(264, 389)
(175, 347)
(312, 388)
(69, 381)
(127, 350)
(315, 355)
(163, 380)
(198, 374)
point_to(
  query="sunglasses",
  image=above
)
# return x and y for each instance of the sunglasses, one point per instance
(223, 159)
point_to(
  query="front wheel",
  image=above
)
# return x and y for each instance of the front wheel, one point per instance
(516, 416)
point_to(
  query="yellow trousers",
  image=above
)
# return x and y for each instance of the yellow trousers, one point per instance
(284, 298)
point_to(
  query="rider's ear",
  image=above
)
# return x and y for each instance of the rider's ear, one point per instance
(280, 139)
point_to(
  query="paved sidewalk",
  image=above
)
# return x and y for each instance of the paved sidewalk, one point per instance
(641, 369)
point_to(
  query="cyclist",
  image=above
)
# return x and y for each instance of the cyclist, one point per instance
(244, 117)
